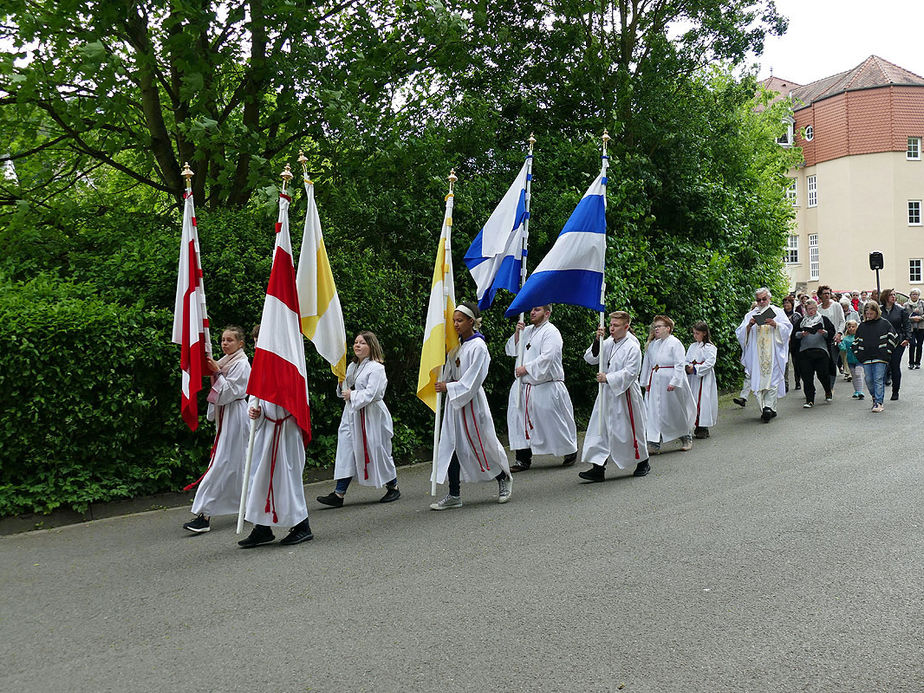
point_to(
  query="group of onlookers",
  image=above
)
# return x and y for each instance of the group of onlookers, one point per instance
(862, 336)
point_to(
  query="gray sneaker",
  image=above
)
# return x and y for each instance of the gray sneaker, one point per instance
(686, 443)
(504, 489)
(447, 503)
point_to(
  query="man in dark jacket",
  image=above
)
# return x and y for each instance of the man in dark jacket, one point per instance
(901, 323)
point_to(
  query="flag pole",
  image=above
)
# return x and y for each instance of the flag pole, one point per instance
(188, 173)
(248, 460)
(447, 250)
(529, 184)
(605, 161)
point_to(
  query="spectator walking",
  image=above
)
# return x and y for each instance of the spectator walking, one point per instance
(856, 368)
(873, 346)
(915, 308)
(815, 337)
(898, 317)
(789, 307)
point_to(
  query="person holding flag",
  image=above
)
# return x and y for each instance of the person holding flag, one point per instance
(468, 446)
(540, 416)
(279, 406)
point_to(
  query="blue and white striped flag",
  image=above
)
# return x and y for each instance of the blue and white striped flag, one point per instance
(496, 254)
(572, 272)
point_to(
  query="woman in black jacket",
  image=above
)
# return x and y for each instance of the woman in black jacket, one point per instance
(901, 323)
(815, 334)
(789, 304)
(873, 346)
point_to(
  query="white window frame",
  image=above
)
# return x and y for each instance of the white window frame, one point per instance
(792, 249)
(787, 139)
(915, 271)
(913, 153)
(914, 213)
(811, 186)
(808, 133)
(814, 259)
(792, 192)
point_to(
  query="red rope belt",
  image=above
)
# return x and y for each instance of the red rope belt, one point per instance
(699, 397)
(221, 416)
(484, 466)
(651, 375)
(362, 421)
(277, 435)
(527, 422)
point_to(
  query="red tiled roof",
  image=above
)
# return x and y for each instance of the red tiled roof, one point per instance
(872, 72)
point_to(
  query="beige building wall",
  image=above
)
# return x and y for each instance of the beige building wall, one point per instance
(862, 206)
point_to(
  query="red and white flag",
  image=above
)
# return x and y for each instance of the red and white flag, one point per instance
(278, 374)
(190, 318)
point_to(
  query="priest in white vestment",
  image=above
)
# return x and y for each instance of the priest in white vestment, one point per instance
(540, 417)
(764, 338)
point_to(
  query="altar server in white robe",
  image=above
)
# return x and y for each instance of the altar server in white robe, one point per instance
(219, 489)
(621, 437)
(668, 399)
(701, 359)
(365, 433)
(764, 352)
(540, 417)
(469, 449)
(276, 493)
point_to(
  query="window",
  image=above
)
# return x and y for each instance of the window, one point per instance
(792, 193)
(914, 271)
(792, 250)
(809, 133)
(914, 149)
(786, 138)
(813, 256)
(914, 212)
(812, 186)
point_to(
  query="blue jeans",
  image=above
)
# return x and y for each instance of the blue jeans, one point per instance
(875, 380)
(344, 484)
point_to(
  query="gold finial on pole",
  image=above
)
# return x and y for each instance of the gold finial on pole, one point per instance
(187, 173)
(303, 160)
(452, 179)
(286, 177)
(532, 141)
(606, 138)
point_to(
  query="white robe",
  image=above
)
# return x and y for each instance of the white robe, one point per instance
(702, 357)
(671, 413)
(542, 419)
(467, 429)
(622, 438)
(364, 436)
(282, 488)
(771, 374)
(219, 491)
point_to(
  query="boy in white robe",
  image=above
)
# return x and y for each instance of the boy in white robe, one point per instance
(617, 425)
(701, 359)
(469, 449)
(540, 416)
(219, 489)
(668, 400)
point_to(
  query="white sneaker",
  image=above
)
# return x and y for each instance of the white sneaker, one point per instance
(686, 443)
(504, 489)
(447, 503)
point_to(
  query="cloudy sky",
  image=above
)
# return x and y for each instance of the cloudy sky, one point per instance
(830, 36)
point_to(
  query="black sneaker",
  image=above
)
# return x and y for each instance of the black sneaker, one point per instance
(642, 469)
(766, 414)
(894, 396)
(740, 401)
(299, 533)
(260, 534)
(595, 473)
(391, 494)
(199, 525)
(331, 499)
(569, 460)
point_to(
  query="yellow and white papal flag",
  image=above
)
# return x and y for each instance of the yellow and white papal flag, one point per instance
(321, 316)
(439, 336)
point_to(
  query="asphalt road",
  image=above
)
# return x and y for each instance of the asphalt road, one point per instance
(779, 557)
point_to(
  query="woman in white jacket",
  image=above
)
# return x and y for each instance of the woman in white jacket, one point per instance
(365, 433)
(701, 358)
(668, 400)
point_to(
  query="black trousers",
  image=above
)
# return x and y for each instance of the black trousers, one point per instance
(914, 349)
(815, 363)
(895, 368)
(453, 473)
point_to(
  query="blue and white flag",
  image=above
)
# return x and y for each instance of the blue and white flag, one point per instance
(496, 255)
(572, 272)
